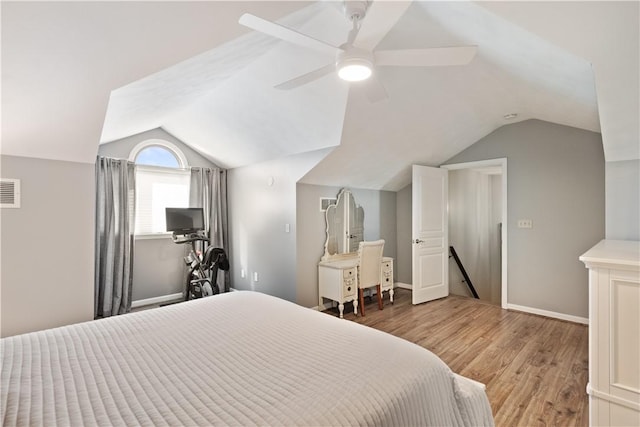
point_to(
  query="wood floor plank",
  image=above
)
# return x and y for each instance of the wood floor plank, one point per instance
(535, 368)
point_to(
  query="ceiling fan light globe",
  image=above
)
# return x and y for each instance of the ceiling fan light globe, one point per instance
(355, 69)
(354, 72)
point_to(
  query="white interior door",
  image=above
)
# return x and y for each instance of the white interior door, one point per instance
(430, 245)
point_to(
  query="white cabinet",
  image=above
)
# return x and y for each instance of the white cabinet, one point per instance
(338, 281)
(614, 333)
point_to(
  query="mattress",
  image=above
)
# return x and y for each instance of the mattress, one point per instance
(236, 359)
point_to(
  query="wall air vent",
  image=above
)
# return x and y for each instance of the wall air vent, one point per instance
(325, 202)
(9, 193)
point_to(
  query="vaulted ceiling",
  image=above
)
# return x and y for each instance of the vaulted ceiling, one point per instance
(77, 73)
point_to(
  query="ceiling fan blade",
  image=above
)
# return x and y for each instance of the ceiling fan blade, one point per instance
(380, 18)
(374, 89)
(307, 78)
(439, 56)
(286, 34)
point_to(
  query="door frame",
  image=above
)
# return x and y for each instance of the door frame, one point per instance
(502, 162)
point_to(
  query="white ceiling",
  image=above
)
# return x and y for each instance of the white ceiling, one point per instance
(61, 60)
(191, 69)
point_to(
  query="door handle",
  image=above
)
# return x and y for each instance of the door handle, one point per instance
(418, 241)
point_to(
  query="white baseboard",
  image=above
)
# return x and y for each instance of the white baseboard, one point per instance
(531, 310)
(156, 300)
(553, 314)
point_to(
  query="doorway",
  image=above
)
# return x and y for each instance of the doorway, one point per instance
(477, 216)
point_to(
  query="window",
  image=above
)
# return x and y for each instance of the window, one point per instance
(162, 181)
(155, 155)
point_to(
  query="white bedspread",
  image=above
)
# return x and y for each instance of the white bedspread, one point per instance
(241, 358)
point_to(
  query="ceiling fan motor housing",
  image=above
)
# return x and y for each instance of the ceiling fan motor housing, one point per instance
(356, 9)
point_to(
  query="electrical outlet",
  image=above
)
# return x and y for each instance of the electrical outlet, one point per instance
(525, 223)
(243, 274)
(255, 276)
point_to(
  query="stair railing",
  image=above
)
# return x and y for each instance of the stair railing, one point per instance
(466, 280)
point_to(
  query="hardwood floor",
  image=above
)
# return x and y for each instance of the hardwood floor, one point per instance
(535, 368)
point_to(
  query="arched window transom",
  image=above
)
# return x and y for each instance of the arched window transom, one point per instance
(158, 152)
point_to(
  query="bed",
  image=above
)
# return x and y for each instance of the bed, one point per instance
(236, 359)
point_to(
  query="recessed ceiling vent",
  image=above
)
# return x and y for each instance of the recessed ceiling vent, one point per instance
(9, 193)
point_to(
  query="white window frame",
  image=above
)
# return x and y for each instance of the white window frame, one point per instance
(184, 166)
(182, 159)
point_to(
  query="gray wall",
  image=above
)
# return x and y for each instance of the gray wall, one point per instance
(121, 148)
(623, 200)
(402, 264)
(262, 201)
(158, 268)
(47, 245)
(556, 177)
(379, 223)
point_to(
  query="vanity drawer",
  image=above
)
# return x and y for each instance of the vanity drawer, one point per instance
(349, 282)
(349, 273)
(349, 287)
(387, 274)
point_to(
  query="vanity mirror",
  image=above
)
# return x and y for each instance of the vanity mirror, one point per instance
(344, 226)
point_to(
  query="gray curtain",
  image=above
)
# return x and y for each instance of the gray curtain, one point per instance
(115, 222)
(208, 190)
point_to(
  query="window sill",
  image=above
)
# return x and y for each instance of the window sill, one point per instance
(153, 236)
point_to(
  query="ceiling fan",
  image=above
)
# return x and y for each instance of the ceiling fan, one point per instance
(356, 59)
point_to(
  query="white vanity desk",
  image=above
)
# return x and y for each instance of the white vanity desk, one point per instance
(338, 269)
(338, 280)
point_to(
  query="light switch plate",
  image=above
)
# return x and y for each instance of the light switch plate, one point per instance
(525, 223)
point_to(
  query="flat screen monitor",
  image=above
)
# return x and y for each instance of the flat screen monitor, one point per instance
(184, 220)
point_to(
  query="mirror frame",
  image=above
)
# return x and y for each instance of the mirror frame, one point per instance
(344, 196)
